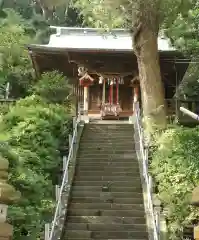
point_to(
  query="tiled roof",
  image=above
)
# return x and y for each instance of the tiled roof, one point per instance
(95, 39)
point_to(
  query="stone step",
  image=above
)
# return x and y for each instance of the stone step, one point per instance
(105, 227)
(121, 144)
(99, 212)
(109, 127)
(112, 127)
(100, 239)
(114, 164)
(107, 173)
(111, 154)
(108, 135)
(105, 148)
(88, 166)
(107, 178)
(108, 148)
(109, 188)
(107, 160)
(109, 131)
(112, 141)
(117, 183)
(119, 200)
(113, 137)
(111, 151)
(107, 206)
(106, 220)
(104, 195)
(103, 136)
(126, 161)
(106, 234)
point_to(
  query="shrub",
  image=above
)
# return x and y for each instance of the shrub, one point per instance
(32, 132)
(53, 87)
(175, 167)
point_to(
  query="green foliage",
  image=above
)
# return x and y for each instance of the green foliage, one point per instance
(53, 87)
(32, 133)
(183, 30)
(189, 87)
(118, 13)
(175, 168)
(15, 65)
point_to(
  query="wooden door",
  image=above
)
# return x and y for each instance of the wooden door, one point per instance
(95, 97)
(126, 98)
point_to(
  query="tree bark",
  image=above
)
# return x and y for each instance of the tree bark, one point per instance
(152, 91)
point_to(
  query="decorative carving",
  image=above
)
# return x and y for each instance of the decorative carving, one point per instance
(82, 71)
(135, 82)
(85, 79)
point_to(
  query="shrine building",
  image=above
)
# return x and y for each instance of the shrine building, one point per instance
(102, 69)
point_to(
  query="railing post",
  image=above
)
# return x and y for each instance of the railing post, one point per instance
(70, 140)
(150, 184)
(157, 211)
(64, 162)
(47, 231)
(150, 187)
(57, 192)
(70, 143)
(146, 157)
(74, 123)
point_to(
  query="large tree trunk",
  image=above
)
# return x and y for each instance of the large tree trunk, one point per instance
(152, 91)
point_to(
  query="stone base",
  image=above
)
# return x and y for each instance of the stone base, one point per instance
(196, 232)
(132, 119)
(6, 231)
(85, 118)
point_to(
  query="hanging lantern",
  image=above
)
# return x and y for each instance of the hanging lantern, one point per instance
(101, 79)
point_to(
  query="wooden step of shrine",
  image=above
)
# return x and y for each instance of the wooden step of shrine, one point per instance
(106, 200)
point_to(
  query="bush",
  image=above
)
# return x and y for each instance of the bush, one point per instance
(32, 133)
(53, 87)
(175, 167)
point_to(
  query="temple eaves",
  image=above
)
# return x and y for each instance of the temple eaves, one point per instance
(92, 39)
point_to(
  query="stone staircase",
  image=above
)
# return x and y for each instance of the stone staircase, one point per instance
(106, 200)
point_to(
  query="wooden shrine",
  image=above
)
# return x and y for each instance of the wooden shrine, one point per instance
(103, 68)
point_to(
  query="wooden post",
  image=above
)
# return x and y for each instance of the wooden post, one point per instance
(85, 100)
